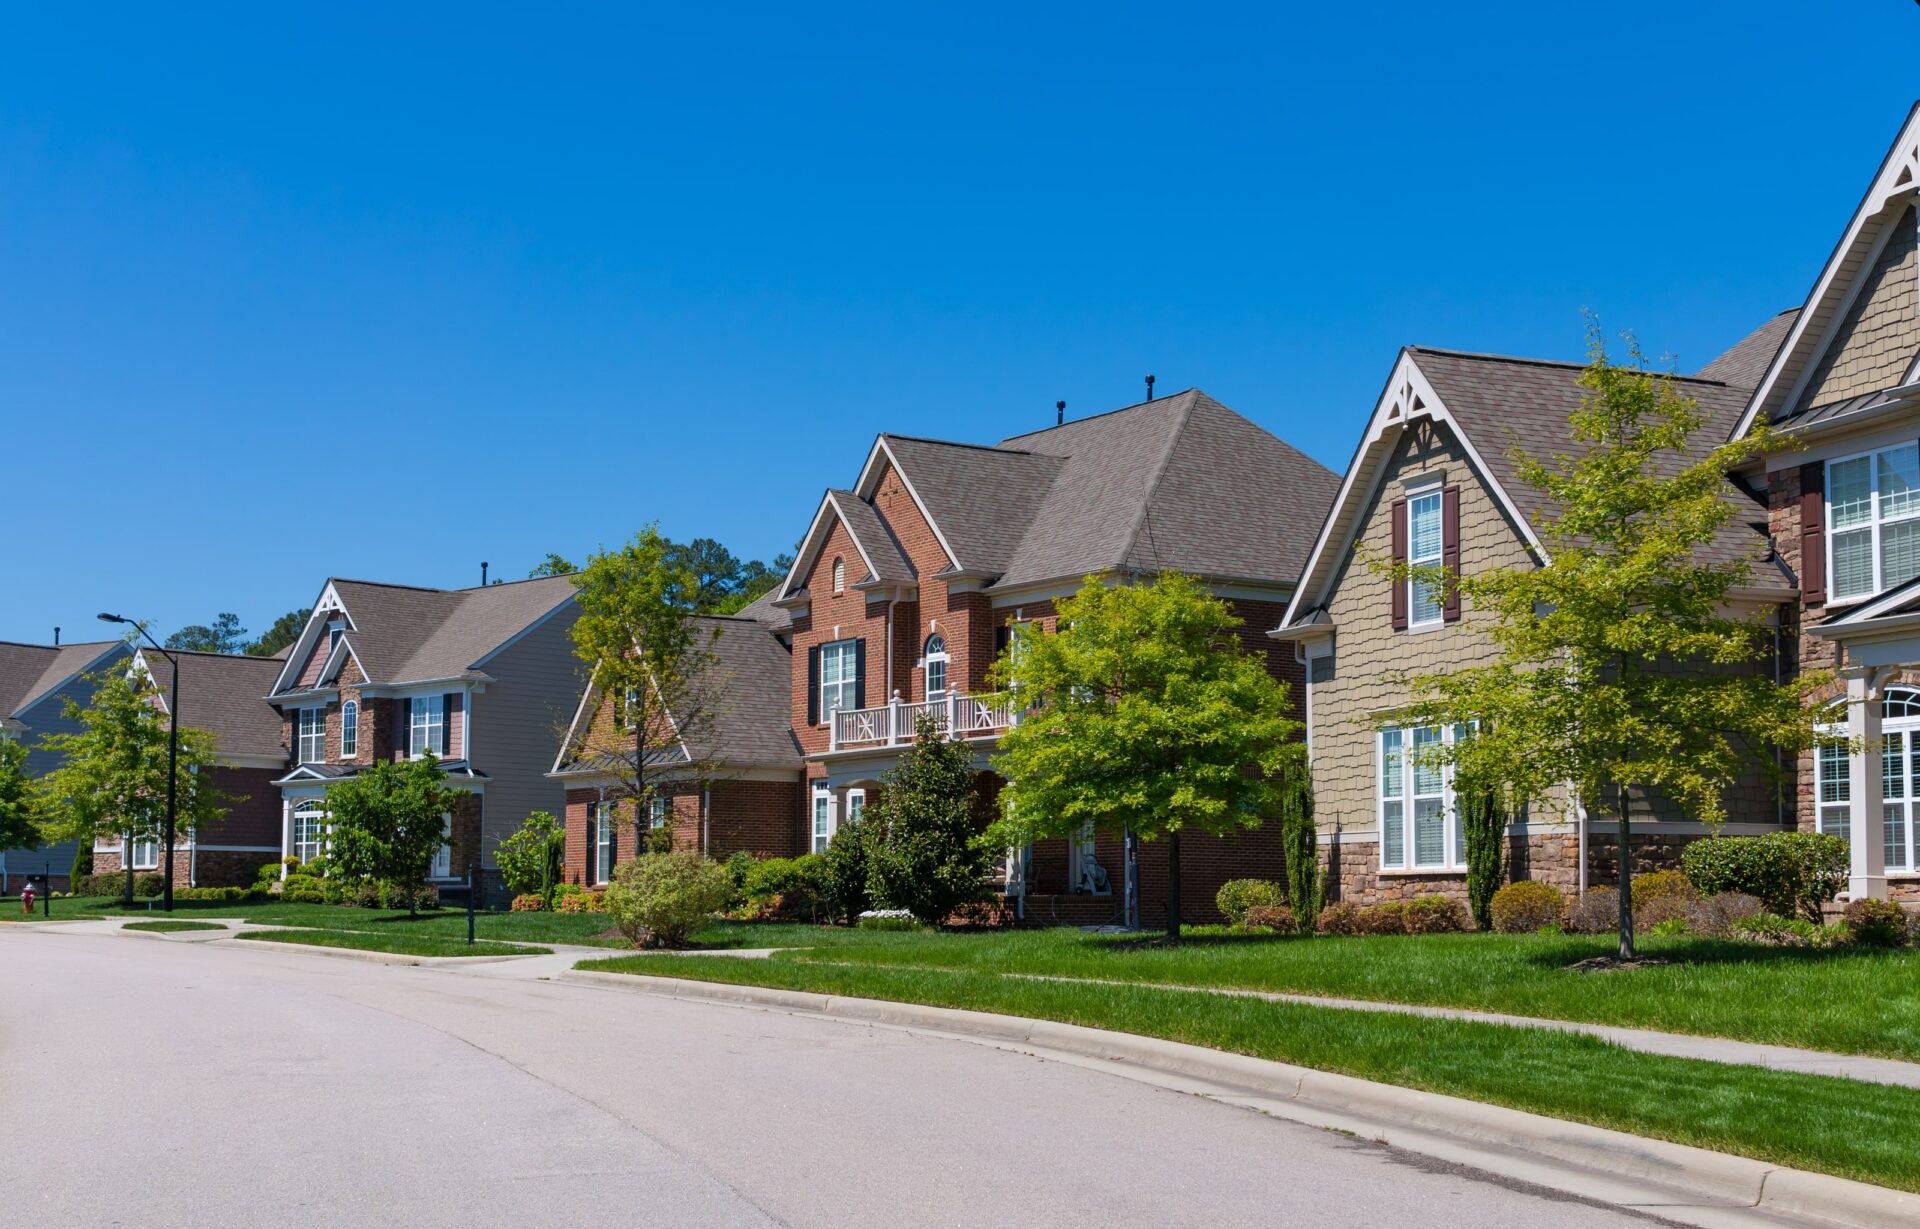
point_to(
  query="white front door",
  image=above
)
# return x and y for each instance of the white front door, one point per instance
(443, 856)
(822, 820)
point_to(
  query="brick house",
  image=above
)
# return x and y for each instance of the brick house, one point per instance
(730, 781)
(36, 682)
(1834, 546)
(224, 695)
(483, 678)
(905, 586)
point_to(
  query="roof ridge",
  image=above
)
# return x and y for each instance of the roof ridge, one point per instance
(55, 648)
(507, 584)
(387, 584)
(203, 653)
(1145, 516)
(1489, 357)
(928, 439)
(1107, 413)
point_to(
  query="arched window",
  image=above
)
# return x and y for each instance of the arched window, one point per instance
(839, 575)
(936, 666)
(349, 729)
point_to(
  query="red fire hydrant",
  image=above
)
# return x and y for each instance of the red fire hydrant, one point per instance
(26, 898)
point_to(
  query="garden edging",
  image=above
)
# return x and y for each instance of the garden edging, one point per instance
(1493, 1133)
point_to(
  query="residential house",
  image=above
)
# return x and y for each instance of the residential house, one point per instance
(906, 585)
(484, 679)
(729, 779)
(37, 681)
(224, 695)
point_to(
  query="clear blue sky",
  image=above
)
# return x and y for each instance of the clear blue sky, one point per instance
(391, 290)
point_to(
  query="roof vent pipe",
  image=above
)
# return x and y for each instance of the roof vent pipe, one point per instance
(1149, 388)
(1059, 413)
(56, 637)
(483, 572)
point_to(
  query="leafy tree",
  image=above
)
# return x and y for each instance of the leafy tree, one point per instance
(285, 630)
(112, 776)
(553, 565)
(715, 569)
(225, 635)
(638, 632)
(845, 874)
(534, 858)
(1619, 666)
(755, 579)
(19, 818)
(923, 836)
(388, 822)
(1151, 717)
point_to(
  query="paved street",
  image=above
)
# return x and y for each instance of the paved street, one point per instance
(162, 1083)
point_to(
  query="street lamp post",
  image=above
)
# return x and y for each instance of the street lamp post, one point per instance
(173, 761)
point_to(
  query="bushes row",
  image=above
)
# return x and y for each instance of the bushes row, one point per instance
(305, 889)
(1425, 915)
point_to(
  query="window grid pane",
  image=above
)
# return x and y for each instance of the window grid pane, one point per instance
(1899, 552)
(1900, 482)
(1853, 563)
(1393, 834)
(1850, 492)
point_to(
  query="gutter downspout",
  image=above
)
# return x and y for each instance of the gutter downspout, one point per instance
(706, 820)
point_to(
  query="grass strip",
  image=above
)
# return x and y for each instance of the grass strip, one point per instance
(1819, 1123)
(167, 928)
(402, 945)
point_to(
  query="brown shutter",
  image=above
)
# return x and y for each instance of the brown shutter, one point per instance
(1399, 560)
(1450, 549)
(1813, 533)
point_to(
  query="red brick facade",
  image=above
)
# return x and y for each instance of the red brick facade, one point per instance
(764, 818)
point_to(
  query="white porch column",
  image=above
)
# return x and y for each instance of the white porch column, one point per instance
(1866, 829)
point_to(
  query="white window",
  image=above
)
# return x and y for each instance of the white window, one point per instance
(1425, 600)
(1419, 822)
(600, 855)
(349, 729)
(822, 820)
(936, 664)
(1873, 521)
(443, 856)
(144, 853)
(313, 735)
(1899, 778)
(309, 831)
(856, 805)
(659, 810)
(426, 726)
(335, 630)
(839, 575)
(837, 680)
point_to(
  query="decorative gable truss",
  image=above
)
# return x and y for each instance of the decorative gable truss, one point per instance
(328, 612)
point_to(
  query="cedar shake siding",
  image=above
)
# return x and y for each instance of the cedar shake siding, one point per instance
(1875, 344)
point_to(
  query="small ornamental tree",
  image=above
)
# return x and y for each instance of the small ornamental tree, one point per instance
(923, 836)
(1483, 824)
(533, 860)
(1620, 665)
(1148, 715)
(1300, 838)
(19, 816)
(388, 822)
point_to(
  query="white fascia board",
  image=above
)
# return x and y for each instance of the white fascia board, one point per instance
(580, 710)
(870, 480)
(809, 547)
(328, 602)
(1896, 178)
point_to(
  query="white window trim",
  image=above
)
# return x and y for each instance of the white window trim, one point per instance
(318, 845)
(856, 805)
(945, 658)
(1453, 861)
(840, 575)
(817, 838)
(434, 703)
(317, 735)
(1872, 526)
(139, 860)
(848, 681)
(349, 729)
(1905, 728)
(659, 812)
(1434, 491)
(604, 849)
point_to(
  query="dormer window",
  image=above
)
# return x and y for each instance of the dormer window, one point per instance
(839, 575)
(335, 630)
(936, 666)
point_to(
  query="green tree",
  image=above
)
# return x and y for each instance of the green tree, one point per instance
(534, 858)
(715, 569)
(388, 822)
(285, 630)
(756, 578)
(553, 565)
(19, 813)
(1483, 824)
(1151, 717)
(224, 635)
(112, 776)
(924, 839)
(1300, 838)
(1619, 664)
(639, 634)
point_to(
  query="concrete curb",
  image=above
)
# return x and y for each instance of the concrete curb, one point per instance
(354, 953)
(1730, 1182)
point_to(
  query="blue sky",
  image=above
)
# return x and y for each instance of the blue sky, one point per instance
(386, 291)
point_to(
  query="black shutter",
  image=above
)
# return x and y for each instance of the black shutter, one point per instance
(1002, 637)
(813, 685)
(593, 847)
(403, 737)
(859, 674)
(446, 724)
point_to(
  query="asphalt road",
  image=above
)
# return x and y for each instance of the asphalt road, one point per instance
(160, 1083)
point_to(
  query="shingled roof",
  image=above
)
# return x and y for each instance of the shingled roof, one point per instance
(224, 697)
(29, 671)
(1745, 364)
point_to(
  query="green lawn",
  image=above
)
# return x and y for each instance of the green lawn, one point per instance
(1810, 1122)
(408, 943)
(164, 927)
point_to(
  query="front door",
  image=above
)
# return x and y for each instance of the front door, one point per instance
(443, 856)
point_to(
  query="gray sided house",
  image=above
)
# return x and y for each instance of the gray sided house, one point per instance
(36, 682)
(484, 679)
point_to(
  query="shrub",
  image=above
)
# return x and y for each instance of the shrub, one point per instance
(844, 873)
(1524, 907)
(1339, 918)
(886, 919)
(303, 890)
(1671, 928)
(661, 898)
(1386, 918)
(1435, 915)
(418, 896)
(1876, 923)
(269, 873)
(1714, 916)
(1659, 885)
(1271, 917)
(1237, 896)
(533, 859)
(924, 847)
(1792, 873)
(788, 887)
(149, 884)
(580, 901)
(1483, 824)
(1300, 838)
(1776, 930)
(220, 896)
(1595, 911)
(1648, 915)
(102, 883)
(528, 902)
(738, 863)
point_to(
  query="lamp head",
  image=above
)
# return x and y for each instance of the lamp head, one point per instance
(113, 618)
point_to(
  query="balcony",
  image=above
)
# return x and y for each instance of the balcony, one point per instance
(894, 724)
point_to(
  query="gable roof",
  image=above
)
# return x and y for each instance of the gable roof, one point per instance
(1746, 363)
(224, 697)
(29, 672)
(1888, 195)
(982, 498)
(403, 633)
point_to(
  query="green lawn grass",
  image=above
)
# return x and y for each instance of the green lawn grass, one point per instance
(407, 944)
(164, 927)
(1819, 1123)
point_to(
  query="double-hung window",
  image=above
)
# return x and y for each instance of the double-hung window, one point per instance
(837, 677)
(659, 810)
(1419, 822)
(856, 805)
(1873, 521)
(313, 735)
(601, 841)
(143, 853)
(349, 729)
(1899, 779)
(426, 725)
(309, 831)
(1426, 601)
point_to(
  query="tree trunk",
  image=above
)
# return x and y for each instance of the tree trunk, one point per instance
(1173, 885)
(1626, 880)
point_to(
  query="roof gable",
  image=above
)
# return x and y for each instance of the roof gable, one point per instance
(882, 557)
(225, 696)
(29, 673)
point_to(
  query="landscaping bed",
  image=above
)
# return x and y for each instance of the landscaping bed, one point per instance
(167, 926)
(401, 945)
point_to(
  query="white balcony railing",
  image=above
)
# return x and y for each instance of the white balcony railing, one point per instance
(895, 723)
